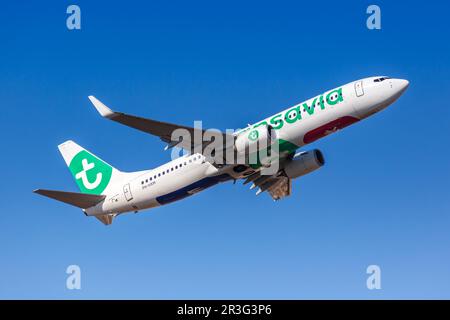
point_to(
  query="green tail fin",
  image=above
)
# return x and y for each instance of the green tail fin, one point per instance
(91, 174)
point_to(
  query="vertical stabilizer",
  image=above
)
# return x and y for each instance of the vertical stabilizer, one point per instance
(92, 174)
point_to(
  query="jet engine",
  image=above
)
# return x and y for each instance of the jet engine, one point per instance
(304, 163)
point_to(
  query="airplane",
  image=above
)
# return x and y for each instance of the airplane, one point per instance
(106, 192)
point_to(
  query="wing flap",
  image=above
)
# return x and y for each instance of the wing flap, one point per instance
(282, 188)
(277, 186)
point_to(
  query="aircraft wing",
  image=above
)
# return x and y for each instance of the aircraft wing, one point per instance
(163, 130)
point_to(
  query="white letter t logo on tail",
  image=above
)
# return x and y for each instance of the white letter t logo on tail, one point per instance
(83, 176)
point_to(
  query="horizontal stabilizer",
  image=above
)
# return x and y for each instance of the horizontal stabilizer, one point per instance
(80, 200)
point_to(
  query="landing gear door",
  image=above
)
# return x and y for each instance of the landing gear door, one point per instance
(359, 88)
(127, 192)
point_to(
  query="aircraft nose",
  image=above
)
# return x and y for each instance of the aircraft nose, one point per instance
(401, 85)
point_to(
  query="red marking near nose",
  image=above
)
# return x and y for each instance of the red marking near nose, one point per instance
(332, 126)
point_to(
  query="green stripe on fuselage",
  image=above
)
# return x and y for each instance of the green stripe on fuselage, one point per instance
(284, 148)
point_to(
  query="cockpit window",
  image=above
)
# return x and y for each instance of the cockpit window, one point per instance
(381, 79)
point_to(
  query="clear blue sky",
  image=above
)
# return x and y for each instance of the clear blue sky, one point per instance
(382, 198)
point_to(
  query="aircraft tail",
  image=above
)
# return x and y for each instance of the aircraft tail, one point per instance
(92, 175)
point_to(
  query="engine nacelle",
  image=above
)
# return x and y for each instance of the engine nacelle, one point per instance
(255, 139)
(304, 163)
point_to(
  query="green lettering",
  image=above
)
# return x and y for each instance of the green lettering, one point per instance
(296, 115)
(262, 123)
(322, 104)
(334, 97)
(310, 109)
(277, 123)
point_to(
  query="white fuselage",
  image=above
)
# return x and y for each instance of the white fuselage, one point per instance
(298, 125)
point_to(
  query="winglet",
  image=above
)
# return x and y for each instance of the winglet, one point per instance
(101, 108)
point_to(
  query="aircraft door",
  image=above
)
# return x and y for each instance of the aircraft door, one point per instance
(359, 88)
(127, 192)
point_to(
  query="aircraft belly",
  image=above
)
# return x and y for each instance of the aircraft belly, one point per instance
(192, 188)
